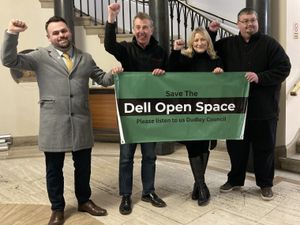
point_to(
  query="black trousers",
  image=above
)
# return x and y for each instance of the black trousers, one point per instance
(260, 136)
(55, 178)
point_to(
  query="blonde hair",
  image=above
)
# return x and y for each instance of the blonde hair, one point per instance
(189, 52)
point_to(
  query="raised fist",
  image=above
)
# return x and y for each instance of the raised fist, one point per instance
(113, 11)
(178, 44)
(214, 26)
(16, 26)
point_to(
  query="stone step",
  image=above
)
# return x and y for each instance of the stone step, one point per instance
(47, 3)
(120, 37)
(82, 20)
(86, 22)
(291, 163)
(298, 146)
(21, 152)
(94, 29)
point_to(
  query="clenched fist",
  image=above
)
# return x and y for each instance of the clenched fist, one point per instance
(16, 26)
(178, 44)
(113, 11)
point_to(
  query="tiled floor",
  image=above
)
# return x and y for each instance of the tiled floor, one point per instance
(22, 181)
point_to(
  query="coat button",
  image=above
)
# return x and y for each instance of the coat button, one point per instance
(71, 96)
(72, 114)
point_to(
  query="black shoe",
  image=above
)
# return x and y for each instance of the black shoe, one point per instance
(154, 199)
(227, 187)
(126, 205)
(267, 193)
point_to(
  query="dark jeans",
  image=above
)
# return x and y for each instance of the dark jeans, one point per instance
(55, 178)
(261, 136)
(126, 167)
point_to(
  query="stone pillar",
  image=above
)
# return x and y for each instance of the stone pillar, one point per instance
(64, 9)
(158, 10)
(263, 9)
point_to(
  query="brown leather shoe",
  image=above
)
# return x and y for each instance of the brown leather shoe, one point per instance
(57, 218)
(91, 208)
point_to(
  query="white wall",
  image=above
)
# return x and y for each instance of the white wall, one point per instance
(19, 109)
(228, 9)
(91, 44)
(293, 50)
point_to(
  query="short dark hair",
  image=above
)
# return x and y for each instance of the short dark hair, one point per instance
(143, 16)
(55, 19)
(247, 11)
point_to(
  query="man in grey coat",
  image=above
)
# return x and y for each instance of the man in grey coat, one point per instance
(65, 121)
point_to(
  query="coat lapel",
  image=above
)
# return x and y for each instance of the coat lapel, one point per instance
(78, 56)
(57, 58)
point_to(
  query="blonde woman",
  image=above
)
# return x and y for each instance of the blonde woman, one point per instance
(199, 56)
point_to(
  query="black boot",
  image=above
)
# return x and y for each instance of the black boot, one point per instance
(195, 193)
(198, 165)
(205, 161)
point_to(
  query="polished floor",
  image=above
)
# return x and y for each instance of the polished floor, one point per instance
(23, 198)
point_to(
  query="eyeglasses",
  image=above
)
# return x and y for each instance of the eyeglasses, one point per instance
(248, 21)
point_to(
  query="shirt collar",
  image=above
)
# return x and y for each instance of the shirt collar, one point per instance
(70, 52)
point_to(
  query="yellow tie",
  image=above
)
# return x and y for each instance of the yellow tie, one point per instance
(69, 62)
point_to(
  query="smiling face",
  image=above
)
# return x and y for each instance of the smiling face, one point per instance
(59, 35)
(200, 43)
(142, 30)
(247, 24)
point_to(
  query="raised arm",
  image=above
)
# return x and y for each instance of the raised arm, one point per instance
(110, 40)
(113, 12)
(9, 56)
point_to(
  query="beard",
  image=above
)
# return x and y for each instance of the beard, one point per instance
(63, 45)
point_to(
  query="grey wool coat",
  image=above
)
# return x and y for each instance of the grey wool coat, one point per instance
(65, 121)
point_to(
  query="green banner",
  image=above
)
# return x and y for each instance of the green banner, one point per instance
(181, 106)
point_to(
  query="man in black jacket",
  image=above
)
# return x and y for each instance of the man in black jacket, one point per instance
(267, 66)
(142, 54)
